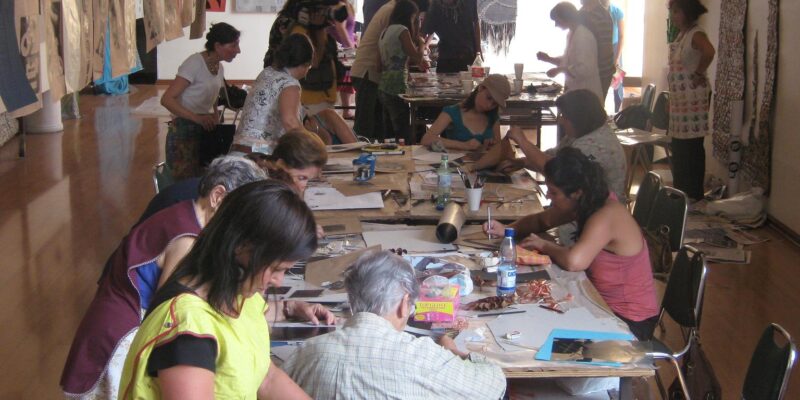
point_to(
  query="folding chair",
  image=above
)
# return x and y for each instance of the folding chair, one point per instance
(672, 206)
(645, 197)
(771, 365)
(683, 302)
(162, 176)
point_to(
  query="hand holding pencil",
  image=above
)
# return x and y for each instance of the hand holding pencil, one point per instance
(494, 229)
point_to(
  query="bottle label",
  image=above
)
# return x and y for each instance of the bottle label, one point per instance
(506, 279)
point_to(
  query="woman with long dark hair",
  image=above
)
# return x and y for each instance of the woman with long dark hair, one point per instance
(191, 99)
(207, 325)
(609, 244)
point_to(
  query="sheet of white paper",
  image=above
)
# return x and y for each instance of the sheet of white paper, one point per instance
(322, 198)
(424, 155)
(535, 325)
(415, 241)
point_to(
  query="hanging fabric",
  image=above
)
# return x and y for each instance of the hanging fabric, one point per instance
(498, 23)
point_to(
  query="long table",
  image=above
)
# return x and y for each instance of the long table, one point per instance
(515, 364)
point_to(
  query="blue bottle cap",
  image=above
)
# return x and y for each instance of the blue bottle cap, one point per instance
(510, 232)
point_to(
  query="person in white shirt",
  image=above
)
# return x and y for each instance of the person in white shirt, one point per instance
(192, 96)
(372, 358)
(579, 62)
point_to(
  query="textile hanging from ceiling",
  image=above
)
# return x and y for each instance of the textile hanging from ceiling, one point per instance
(729, 83)
(153, 22)
(15, 90)
(757, 160)
(498, 23)
(199, 24)
(100, 28)
(187, 12)
(55, 55)
(172, 19)
(71, 42)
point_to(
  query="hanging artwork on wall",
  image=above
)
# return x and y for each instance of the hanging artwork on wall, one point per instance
(258, 6)
(498, 23)
(215, 5)
(153, 22)
(757, 155)
(198, 27)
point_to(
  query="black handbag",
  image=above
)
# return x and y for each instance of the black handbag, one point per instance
(216, 143)
(701, 381)
(635, 116)
(231, 96)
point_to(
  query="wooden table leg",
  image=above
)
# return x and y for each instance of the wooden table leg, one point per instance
(413, 133)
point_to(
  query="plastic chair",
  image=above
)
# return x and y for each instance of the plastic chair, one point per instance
(771, 365)
(645, 197)
(683, 302)
(672, 206)
(162, 176)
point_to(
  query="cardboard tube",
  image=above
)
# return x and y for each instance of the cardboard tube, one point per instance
(450, 223)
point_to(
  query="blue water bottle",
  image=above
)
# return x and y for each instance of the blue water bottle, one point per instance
(507, 270)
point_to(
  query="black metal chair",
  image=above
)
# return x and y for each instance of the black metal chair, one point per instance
(683, 302)
(771, 365)
(162, 176)
(660, 113)
(648, 95)
(645, 197)
(672, 206)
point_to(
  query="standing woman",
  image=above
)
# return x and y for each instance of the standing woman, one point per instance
(192, 96)
(207, 335)
(690, 93)
(398, 44)
(579, 62)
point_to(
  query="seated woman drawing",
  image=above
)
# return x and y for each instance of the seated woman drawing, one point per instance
(473, 123)
(609, 244)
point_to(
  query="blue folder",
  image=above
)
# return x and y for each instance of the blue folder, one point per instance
(546, 351)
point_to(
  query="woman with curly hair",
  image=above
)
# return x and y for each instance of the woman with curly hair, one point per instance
(609, 245)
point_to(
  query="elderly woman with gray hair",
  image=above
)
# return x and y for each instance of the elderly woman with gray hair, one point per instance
(142, 263)
(371, 357)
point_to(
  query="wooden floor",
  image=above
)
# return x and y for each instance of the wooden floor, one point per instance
(65, 207)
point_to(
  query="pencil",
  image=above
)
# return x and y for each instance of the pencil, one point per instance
(492, 314)
(489, 223)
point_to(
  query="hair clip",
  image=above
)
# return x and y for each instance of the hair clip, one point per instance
(399, 251)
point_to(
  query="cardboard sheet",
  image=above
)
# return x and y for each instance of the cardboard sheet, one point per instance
(340, 226)
(414, 240)
(330, 269)
(322, 198)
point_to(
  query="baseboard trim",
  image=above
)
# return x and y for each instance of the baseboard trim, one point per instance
(237, 82)
(784, 230)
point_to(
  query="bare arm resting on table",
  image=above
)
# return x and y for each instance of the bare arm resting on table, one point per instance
(534, 223)
(300, 311)
(434, 133)
(288, 106)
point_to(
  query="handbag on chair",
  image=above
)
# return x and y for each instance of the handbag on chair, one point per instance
(659, 249)
(701, 381)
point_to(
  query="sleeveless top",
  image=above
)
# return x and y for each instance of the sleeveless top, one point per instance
(625, 283)
(128, 282)
(242, 345)
(458, 131)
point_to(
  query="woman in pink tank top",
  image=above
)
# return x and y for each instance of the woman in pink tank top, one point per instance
(609, 244)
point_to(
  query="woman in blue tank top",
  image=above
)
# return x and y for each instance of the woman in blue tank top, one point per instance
(474, 122)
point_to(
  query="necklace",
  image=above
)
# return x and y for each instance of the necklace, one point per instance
(211, 64)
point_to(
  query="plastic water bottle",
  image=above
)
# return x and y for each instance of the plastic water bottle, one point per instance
(445, 181)
(507, 270)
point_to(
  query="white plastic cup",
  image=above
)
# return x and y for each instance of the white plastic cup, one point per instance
(474, 198)
(466, 85)
(518, 68)
(465, 75)
(518, 85)
(486, 71)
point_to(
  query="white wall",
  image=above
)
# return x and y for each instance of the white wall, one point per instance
(253, 43)
(785, 141)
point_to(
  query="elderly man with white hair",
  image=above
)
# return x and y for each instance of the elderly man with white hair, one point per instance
(371, 357)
